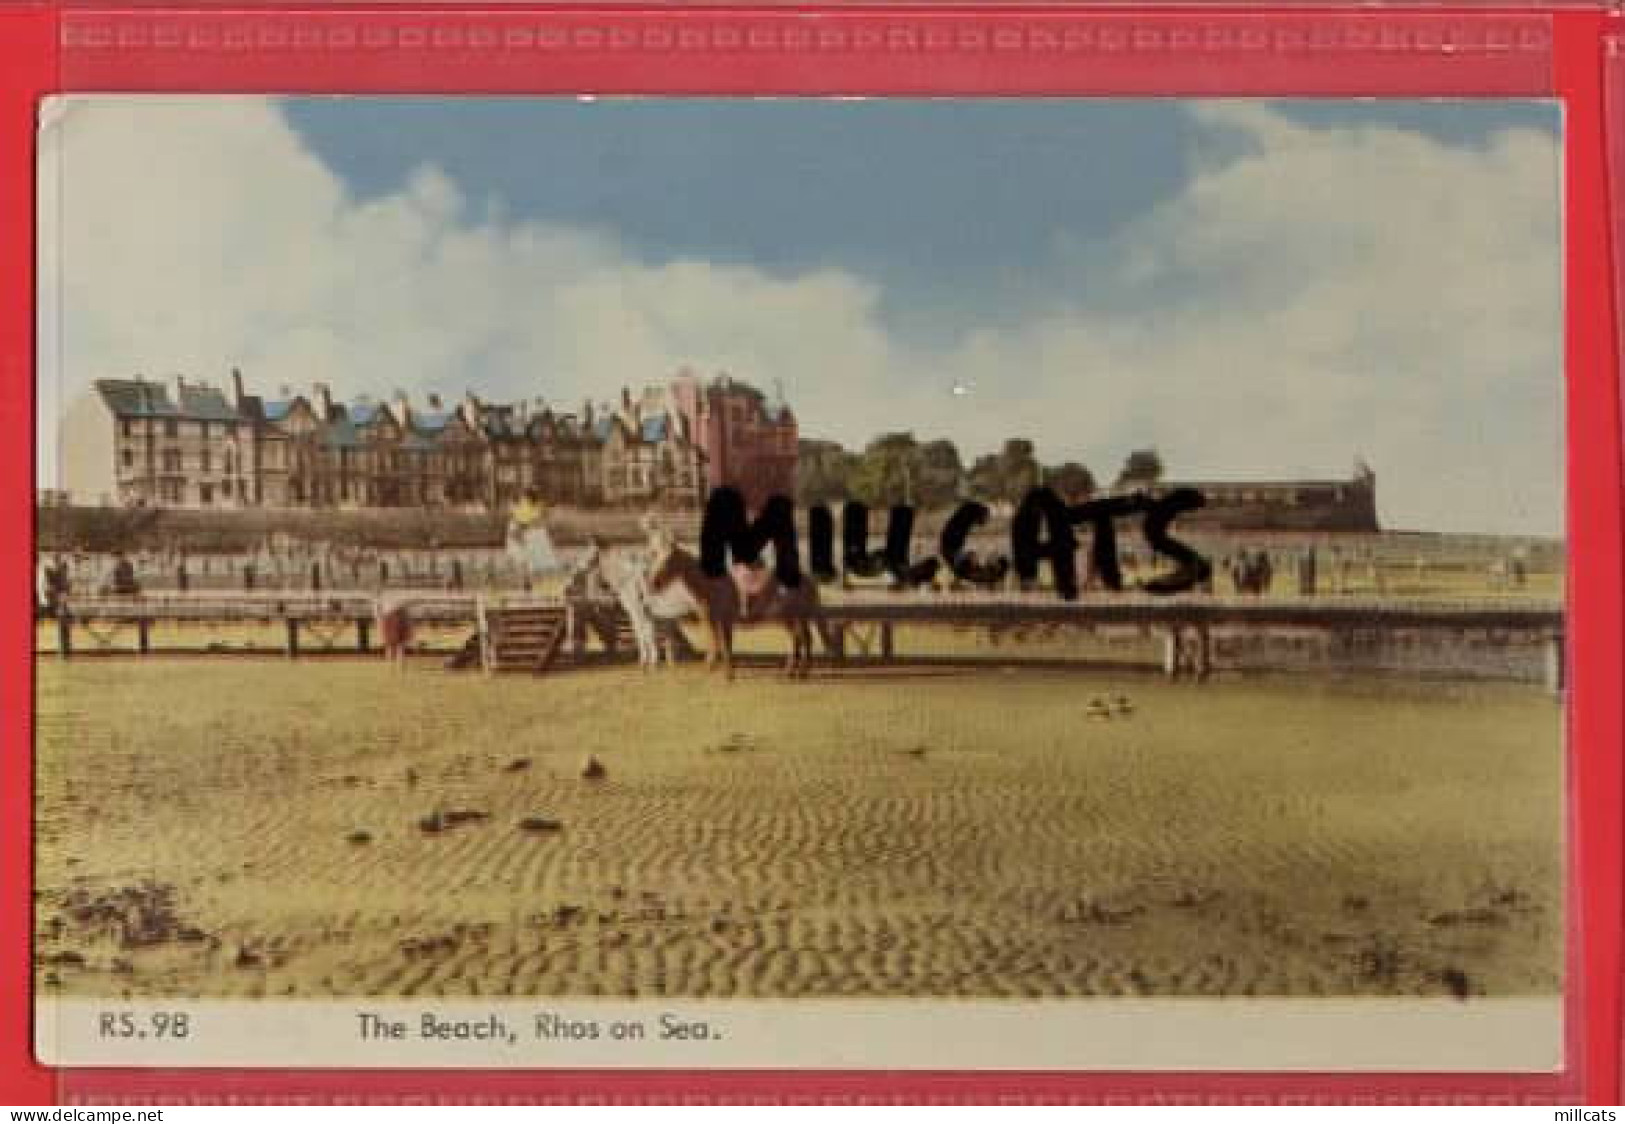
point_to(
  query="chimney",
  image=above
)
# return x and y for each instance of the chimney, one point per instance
(469, 408)
(586, 415)
(626, 401)
(434, 402)
(401, 408)
(237, 387)
(321, 398)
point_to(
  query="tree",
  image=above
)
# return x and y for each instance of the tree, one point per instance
(823, 472)
(1019, 469)
(1006, 476)
(985, 479)
(939, 476)
(1143, 466)
(1072, 481)
(886, 472)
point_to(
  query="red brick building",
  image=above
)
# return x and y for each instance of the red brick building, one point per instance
(749, 443)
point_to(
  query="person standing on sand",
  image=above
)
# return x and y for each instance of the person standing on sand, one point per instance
(395, 629)
(45, 599)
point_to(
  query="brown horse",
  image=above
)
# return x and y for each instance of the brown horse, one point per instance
(719, 602)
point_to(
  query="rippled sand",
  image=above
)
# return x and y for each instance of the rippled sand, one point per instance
(230, 828)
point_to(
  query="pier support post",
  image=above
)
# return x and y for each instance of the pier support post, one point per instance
(1170, 652)
(363, 635)
(293, 636)
(888, 641)
(1555, 670)
(575, 627)
(64, 635)
(143, 636)
(1202, 654)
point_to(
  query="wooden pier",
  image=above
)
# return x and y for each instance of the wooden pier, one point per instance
(540, 632)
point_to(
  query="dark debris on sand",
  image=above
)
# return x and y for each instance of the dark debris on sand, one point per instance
(142, 915)
(438, 821)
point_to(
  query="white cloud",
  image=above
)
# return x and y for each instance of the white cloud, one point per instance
(1320, 293)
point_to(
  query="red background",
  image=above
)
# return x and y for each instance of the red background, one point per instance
(793, 49)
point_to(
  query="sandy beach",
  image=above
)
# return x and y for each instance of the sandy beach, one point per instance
(272, 828)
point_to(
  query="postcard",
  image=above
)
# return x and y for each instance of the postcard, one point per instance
(1042, 584)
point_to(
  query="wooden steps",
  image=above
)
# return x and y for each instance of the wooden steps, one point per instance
(523, 638)
(541, 636)
(625, 639)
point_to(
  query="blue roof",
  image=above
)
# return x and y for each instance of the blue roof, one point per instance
(141, 399)
(500, 422)
(602, 427)
(363, 412)
(136, 398)
(276, 411)
(207, 403)
(431, 422)
(340, 434)
(655, 428)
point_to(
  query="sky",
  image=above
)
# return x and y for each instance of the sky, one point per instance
(1256, 289)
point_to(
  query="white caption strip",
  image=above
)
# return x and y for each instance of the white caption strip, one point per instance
(1375, 1035)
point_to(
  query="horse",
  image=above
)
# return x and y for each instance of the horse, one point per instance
(719, 603)
(654, 616)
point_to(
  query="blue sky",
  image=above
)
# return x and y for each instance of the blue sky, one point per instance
(956, 206)
(1257, 289)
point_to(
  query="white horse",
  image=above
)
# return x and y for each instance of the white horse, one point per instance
(655, 616)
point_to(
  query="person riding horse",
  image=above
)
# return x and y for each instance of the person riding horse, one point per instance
(728, 600)
(529, 542)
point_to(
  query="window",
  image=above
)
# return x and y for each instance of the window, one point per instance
(203, 460)
(127, 427)
(129, 459)
(171, 429)
(205, 493)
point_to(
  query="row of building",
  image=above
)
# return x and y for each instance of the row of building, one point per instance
(186, 444)
(1283, 505)
(139, 442)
